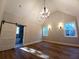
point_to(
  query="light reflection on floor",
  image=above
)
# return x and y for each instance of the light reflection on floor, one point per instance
(35, 52)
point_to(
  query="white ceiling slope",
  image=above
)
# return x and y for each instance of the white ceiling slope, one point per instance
(31, 8)
(68, 6)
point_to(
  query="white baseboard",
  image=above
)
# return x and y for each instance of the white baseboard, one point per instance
(30, 43)
(23, 45)
(67, 44)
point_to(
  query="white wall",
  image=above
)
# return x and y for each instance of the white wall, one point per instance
(56, 34)
(2, 7)
(26, 15)
(29, 14)
(8, 33)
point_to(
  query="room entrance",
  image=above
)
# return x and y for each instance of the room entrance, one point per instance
(19, 35)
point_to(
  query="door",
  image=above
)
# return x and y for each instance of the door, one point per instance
(19, 35)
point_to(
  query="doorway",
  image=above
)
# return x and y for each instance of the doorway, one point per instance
(19, 36)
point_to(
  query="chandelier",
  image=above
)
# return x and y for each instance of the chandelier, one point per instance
(45, 12)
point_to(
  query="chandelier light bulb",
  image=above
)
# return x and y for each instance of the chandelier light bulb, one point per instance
(45, 12)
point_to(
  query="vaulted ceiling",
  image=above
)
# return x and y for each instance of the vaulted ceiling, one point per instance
(31, 8)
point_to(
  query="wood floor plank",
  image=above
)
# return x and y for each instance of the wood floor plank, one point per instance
(54, 51)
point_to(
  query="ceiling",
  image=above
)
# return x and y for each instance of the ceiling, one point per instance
(31, 8)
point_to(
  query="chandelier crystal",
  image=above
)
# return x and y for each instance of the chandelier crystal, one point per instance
(45, 12)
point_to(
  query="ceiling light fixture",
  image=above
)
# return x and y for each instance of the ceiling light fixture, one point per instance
(45, 12)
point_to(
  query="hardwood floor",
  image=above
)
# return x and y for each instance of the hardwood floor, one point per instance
(54, 51)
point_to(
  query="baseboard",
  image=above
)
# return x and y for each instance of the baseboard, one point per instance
(61, 43)
(7, 49)
(32, 42)
(23, 45)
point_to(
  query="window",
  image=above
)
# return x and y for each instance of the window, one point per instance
(70, 30)
(45, 31)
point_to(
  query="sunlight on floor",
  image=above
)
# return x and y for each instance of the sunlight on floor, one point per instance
(35, 52)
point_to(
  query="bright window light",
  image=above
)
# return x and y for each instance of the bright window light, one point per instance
(45, 31)
(70, 30)
(35, 52)
(17, 30)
